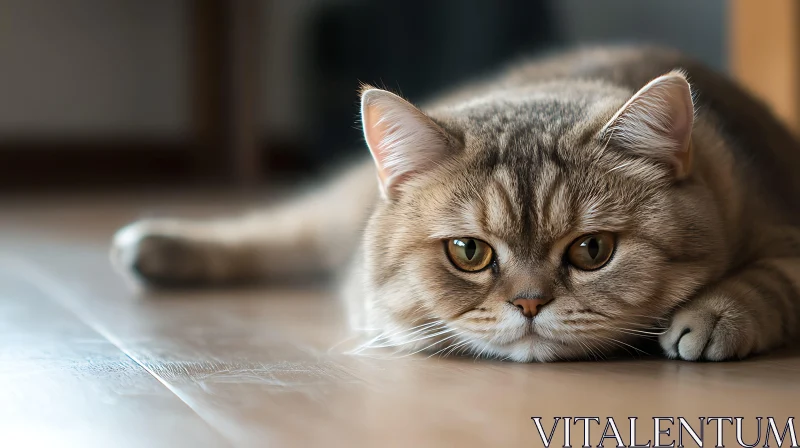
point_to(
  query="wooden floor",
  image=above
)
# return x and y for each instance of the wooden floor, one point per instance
(87, 360)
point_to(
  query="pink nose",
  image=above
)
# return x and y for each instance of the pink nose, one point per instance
(529, 307)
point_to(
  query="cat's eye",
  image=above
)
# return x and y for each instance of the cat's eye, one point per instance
(469, 254)
(591, 252)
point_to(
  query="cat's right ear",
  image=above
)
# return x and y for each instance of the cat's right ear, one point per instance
(403, 141)
(657, 122)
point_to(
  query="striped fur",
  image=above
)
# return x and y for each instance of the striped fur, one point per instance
(708, 260)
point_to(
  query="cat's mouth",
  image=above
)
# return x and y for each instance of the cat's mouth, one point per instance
(525, 346)
(539, 336)
(527, 331)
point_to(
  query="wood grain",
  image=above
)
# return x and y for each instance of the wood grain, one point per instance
(63, 383)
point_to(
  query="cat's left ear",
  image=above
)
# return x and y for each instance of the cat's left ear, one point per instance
(403, 140)
(657, 123)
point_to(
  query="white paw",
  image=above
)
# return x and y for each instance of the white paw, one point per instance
(125, 245)
(709, 329)
(149, 251)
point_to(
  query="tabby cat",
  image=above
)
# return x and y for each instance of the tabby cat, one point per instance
(561, 210)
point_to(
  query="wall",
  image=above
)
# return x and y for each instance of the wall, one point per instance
(78, 67)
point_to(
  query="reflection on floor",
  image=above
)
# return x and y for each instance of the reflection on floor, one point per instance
(87, 360)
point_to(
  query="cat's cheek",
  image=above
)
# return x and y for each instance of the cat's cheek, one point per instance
(632, 276)
(398, 296)
(449, 292)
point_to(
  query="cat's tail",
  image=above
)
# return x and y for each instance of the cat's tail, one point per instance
(308, 235)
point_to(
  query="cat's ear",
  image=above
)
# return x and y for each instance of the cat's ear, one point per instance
(657, 122)
(403, 140)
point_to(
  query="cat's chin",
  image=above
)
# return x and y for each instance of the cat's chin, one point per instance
(530, 348)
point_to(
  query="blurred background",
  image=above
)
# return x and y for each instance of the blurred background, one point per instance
(132, 94)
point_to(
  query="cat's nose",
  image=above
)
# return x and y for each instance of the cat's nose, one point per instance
(529, 306)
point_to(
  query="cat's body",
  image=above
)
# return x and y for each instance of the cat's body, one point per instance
(603, 216)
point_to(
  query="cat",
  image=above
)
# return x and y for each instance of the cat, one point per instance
(562, 209)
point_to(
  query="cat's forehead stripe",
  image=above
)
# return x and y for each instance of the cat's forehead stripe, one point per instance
(500, 210)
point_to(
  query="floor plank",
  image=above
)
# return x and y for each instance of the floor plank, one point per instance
(64, 384)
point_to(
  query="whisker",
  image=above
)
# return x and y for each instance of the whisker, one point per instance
(440, 350)
(422, 338)
(450, 347)
(457, 346)
(437, 342)
(601, 349)
(591, 351)
(600, 352)
(645, 316)
(413, 330)
(617, 341)
(614, 344)
(481, 352)
(584, 348)
(642, 332)
(462, 350)
(432, 326)
(634, 334)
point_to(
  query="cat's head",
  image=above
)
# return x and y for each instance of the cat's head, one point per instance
(540, 224)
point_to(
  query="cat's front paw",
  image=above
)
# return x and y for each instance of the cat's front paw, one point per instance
(712, 327)
(152, 252)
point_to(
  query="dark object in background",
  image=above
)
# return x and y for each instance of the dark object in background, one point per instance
(416, 47)
(420, 47)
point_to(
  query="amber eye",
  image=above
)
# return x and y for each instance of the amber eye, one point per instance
(591, 252)
(469, 254)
